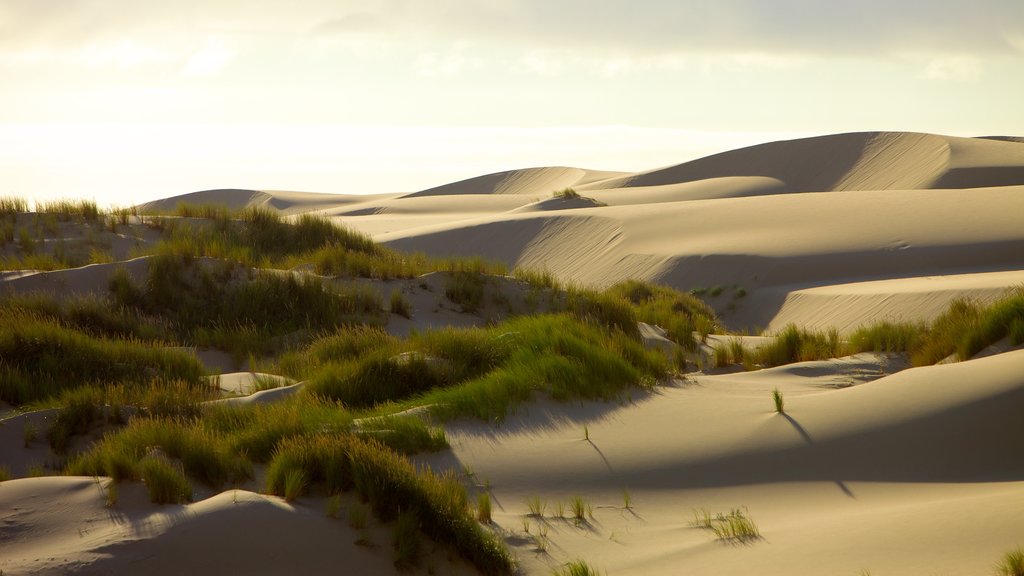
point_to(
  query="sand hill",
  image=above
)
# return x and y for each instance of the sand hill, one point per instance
(873, 467)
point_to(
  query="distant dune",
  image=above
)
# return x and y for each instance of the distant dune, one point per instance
(863, 465)
(767, 220)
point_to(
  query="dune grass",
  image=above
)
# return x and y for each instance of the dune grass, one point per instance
(576, 568)
(779, 401)
(963, 330)
(565, 194)
(12, 205)
(793, 344)
(555, 354)
(217, 304)
(680, 314)
(393, 488)
(165, 482)
(483, 507)
(399, 304)
(735, 526)
(38, 354)
(537, 506)
(203, 455)
(67, 209)
(1012, 563)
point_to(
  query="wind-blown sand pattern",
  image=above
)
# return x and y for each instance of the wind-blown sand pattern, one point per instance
(873, 466)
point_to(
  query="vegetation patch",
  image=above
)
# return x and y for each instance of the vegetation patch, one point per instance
(734, 526)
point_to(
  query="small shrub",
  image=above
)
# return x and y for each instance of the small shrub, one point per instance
(1012, 563)
(565, 194)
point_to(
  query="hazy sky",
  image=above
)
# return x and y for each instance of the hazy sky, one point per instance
(127, 100)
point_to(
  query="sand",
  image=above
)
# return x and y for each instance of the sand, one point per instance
(874, 466)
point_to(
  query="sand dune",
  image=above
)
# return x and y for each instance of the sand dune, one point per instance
(61, 525)
(536, 181)
(873, 466)
(839, 467)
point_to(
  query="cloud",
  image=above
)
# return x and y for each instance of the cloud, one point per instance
(643, 27)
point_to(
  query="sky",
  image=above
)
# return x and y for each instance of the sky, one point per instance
(123, 101)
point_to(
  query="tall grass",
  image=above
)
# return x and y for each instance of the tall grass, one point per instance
(576, 568)
(203, 455)
(795, 345)
(165, 482)
(734, 526)
(556, 354)
(210, 305)
(1012, 563)
(12, 205)
(680, 314)
(963, 330)
(67, 209)
(393, 487)
(887, 337)
(39, 354)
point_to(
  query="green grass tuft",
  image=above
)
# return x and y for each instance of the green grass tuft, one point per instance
(779, 401)
(1012, 563)
(734, 526)
(165, 482)
(483, 508)
(576, 568)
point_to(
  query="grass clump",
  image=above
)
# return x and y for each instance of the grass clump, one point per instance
(12, 205)
(407, 540)
(679, 313)
(483, 508)
(779, 401)
(67, 209)
(466, 288)
(796, 345)
(734, 526)
(1012, 563)
(39, 353)
(556, 354)
(165, 482)
(576, 568)
(963, 330)
(400, 304)
(537, 506)
(202, 454)
(565, 194)
(404, 434)
(887, 337)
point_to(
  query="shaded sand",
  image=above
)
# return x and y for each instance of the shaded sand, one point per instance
(61, 525)
(910, 473)
(847, 306)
